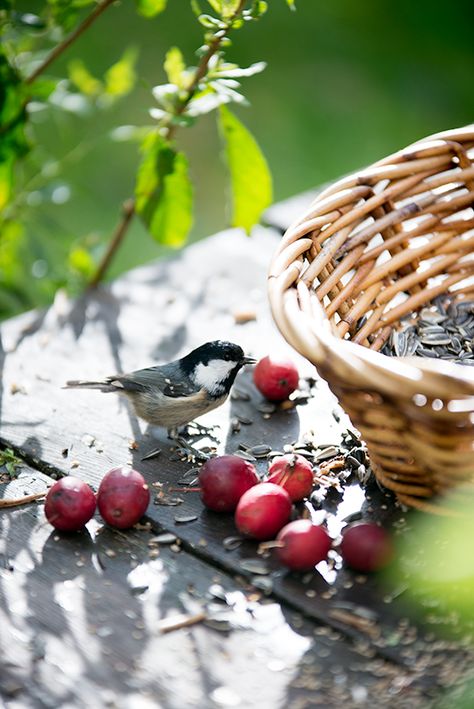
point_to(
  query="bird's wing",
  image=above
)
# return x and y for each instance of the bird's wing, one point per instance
(168, 378)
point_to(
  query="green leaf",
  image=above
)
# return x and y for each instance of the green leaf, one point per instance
(81, 262)
(10, 461)
(120, 78)
(196, 8)
(175, 67)
(10, 247)
(233, 71)
(205, 101)
(210, 22)
(225, 8)
(6, 180)
(150, 8)
(216, 5)
(42, 88)
(82, 79)
(250, 177)
(13, 143)
(163, 192)
(226, 90)
(258, 8)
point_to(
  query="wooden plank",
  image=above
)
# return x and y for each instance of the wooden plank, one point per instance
(80, 626)
(155, 314)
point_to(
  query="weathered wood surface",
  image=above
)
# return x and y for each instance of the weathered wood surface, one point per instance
(155, 314)
(80, 626)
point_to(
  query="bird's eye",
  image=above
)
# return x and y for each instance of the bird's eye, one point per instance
(227, 356)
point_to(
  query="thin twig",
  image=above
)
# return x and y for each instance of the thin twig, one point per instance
(182, 620)
(22, 500)
(128, 211)
(67, 41)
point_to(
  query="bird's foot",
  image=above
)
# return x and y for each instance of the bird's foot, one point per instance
(191, 452)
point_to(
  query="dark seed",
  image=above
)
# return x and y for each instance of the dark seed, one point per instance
(260, 451)
(244, 420)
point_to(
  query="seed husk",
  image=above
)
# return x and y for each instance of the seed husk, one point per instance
(254, 566)
(165, 538)
(183, 519)
(246, 456)
(260, 451)
(231, 543)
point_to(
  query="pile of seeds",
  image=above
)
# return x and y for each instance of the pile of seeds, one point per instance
(444, 330)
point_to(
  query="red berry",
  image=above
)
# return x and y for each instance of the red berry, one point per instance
(223, 481)
(294, 473)
(70, 503)
(306, 544)
(366, 546)
(123, 497)
(262, 511)
(275, 377)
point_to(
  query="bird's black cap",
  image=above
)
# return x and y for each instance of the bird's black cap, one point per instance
(217, 349)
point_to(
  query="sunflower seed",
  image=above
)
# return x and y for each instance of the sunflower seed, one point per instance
(244, 420)
(165, 538)
(183, 519)
(444, 330)
(254, 566)
(435, 339)
(231, 543)
(246, 456)
(192, 472)
(326, 454)
(260, 451)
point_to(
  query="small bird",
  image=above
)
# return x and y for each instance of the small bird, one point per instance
(171, 395)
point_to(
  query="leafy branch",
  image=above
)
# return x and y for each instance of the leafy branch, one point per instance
(67, 41)
(163, 197)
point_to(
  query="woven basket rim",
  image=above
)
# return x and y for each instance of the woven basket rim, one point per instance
(308, 329)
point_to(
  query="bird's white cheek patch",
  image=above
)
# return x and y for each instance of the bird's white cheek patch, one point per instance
(212, 374)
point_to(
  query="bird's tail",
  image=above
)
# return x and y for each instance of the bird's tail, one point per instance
(103, 386)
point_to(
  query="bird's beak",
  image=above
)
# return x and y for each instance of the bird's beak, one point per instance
(249, 360)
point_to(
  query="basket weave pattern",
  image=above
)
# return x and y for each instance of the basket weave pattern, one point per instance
(373, 248)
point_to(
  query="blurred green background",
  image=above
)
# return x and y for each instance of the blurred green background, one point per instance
(347, 82)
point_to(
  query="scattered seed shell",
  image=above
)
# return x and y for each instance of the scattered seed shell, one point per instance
(260, 451)
(254, 566)
(183, 519)
(231, 543)
(165, 538)
(239, 395)
(246, 456)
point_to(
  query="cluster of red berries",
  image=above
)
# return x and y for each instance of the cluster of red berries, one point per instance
(262, 510)
(122, 499)
(230, 484)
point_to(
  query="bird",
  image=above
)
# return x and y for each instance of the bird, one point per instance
(174, 394)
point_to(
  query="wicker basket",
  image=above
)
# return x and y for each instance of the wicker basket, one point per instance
(382, 243)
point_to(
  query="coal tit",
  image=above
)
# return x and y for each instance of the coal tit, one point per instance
(172, 395)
